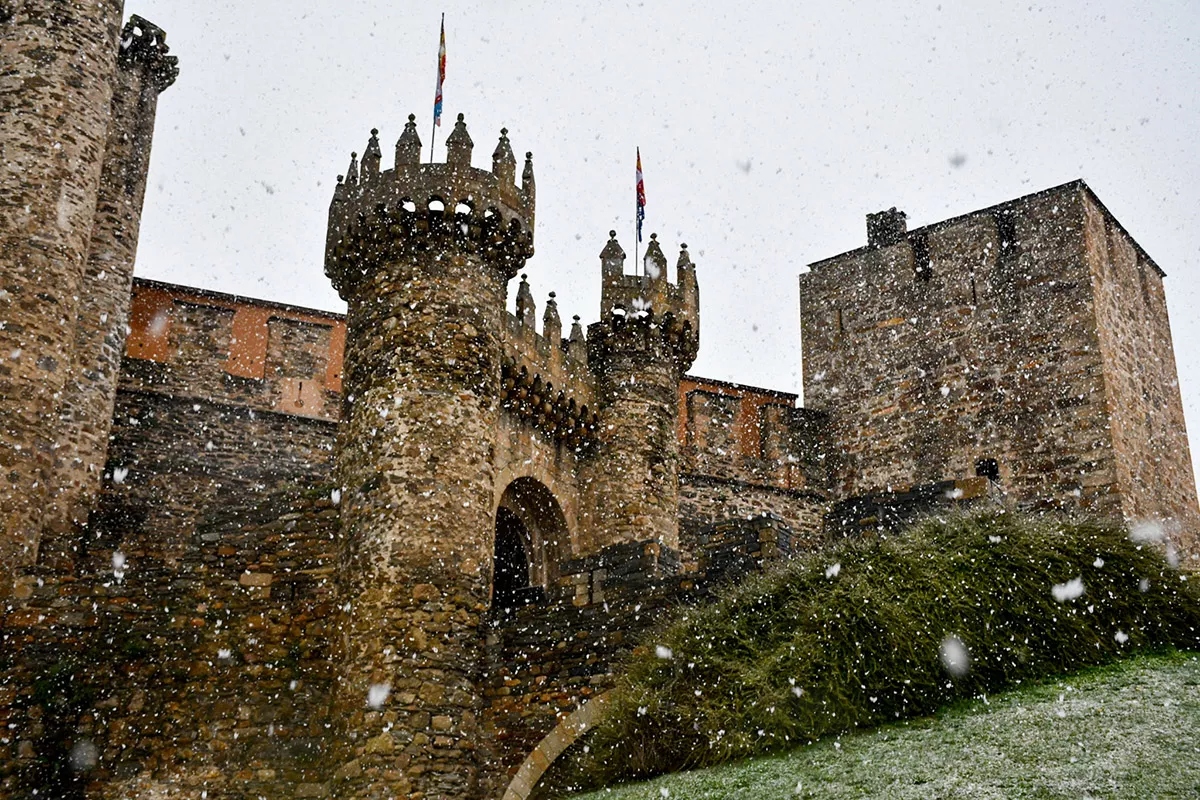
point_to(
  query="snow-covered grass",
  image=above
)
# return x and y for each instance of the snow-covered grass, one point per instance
(872, 632)
(1127, 730)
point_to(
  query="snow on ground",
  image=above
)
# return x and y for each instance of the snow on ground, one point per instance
(1128, 730)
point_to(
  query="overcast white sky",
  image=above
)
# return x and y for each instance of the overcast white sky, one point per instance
(767, 131)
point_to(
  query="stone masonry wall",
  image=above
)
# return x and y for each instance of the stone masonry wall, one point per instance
(144, 71)
(973, 338)
(705, 501)
(1154, 466)
(630, 487)
(547, 659)
(201, 595)
(416, 460)
(55, 100)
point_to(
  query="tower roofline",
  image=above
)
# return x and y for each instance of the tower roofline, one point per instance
(1077, 184)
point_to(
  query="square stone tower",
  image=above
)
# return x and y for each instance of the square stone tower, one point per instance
(1029, 341)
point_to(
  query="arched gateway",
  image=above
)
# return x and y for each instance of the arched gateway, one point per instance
(531, 540)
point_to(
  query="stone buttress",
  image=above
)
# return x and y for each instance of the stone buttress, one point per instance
(422, 255)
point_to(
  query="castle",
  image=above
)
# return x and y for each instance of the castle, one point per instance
(252, 550)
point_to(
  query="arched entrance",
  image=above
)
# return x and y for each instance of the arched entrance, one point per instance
(531, 541)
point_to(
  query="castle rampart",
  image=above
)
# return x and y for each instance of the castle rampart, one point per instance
(387, 553)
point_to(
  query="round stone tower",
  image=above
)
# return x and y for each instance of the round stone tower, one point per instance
(422, 255)
(55, 101)
(646, 339)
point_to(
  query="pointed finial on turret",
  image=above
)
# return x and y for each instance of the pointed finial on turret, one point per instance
(577, 344)
(525, 308)
(655, 262)
(459, 145)
(352, 171)
(527, 184)
(504, 163)
(551, 321)
(612, 257)
(685, 260)
(408, 146)
(371, 158)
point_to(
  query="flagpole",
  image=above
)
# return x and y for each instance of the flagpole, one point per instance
(636, 245)
(438, 100)
(637, 213)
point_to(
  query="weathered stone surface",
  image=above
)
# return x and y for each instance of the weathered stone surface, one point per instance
(56, 92)
(510, 512)
(1033, 333)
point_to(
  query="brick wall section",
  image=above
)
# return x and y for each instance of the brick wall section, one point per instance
(1153, 461)
(989, 349)
(751, 435)
(55, 101)
(144, 71)
(266, 356)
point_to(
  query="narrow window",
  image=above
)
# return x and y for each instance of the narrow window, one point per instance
(922, 264)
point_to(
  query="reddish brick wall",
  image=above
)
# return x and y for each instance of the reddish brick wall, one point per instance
(267, 356)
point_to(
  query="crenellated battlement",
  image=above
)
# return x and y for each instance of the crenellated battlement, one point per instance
(652, 290)
(144, 43)
(642, 337)
(546, 380)
(378, 215)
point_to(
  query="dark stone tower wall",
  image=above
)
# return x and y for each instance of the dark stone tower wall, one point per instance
(632, 487)
(55, 100)
(144, 71)
(1153, 461)
(426, 291)
(1034, 333)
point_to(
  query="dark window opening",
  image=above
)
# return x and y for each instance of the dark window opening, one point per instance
(922, 264)
(987, 468)
(510, 582)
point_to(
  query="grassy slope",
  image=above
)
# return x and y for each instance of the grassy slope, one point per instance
(1127, 730)
(850, 638)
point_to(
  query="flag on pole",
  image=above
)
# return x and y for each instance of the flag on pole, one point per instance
(641, 196)
(437, 98)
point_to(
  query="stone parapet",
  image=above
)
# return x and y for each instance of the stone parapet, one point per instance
(415, 208)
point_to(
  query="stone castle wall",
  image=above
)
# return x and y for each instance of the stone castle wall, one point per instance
(975, 338)
(144, 70)
(56, 90)
(299, 512)
(1153, 462)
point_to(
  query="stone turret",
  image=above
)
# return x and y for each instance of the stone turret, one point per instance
(422, 255)
(61, 64)
(144, 70)
(647, 337)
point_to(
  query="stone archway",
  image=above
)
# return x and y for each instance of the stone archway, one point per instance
(531, 541)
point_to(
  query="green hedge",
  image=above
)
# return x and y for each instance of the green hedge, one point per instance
(870, 631)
